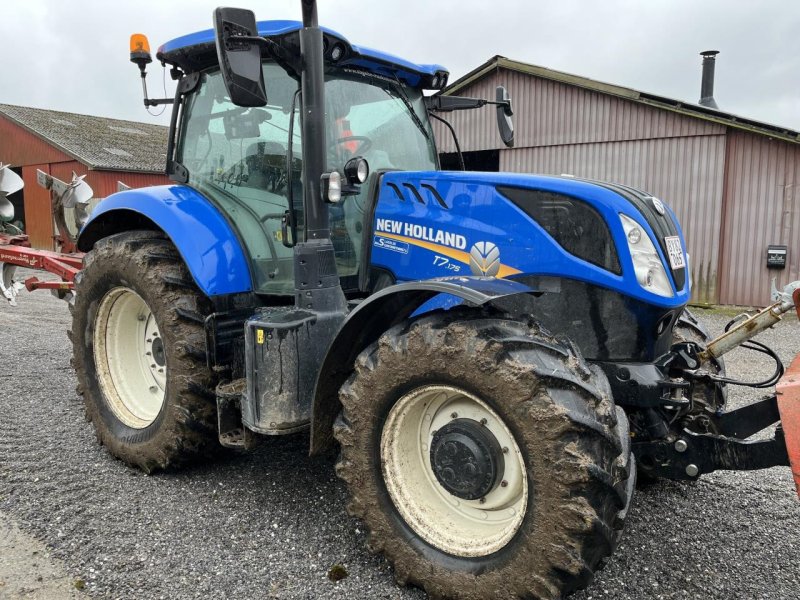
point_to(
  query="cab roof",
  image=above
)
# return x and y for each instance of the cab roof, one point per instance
(197, 51)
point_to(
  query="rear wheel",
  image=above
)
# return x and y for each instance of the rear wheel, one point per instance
(139, 352)
(486, 458)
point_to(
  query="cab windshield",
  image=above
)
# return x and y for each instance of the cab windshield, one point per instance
(239, 158)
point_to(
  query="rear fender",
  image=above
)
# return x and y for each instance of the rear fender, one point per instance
(386, 308)
(202, 235)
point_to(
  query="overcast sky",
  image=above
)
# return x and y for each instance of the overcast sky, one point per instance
(73, 55)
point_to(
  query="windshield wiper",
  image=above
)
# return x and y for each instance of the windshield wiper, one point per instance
(404, 98)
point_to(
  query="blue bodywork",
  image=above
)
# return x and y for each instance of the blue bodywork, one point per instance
(472, 211)
(404, 243)
(465, 210)
(200, 232)
(376, 61)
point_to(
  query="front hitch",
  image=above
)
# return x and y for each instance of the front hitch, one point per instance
(689, 454)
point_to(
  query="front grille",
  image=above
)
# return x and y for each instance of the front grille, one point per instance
(574, 224)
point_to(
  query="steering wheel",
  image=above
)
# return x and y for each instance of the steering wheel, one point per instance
(364, 143)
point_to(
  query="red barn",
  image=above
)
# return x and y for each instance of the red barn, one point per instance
(105, 150)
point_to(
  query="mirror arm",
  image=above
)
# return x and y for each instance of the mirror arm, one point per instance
(455, 141)
(450, 103)
(505, 104)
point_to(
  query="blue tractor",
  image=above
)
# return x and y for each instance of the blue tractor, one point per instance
(489, 351)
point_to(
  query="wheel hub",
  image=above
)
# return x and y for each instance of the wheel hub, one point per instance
(454, 470)
(467, 459)
(130, 358)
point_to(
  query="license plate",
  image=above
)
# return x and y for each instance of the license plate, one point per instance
(675, 252)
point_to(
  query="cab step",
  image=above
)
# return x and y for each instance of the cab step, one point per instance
(232, 433)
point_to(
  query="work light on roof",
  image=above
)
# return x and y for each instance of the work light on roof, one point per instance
(337, 52)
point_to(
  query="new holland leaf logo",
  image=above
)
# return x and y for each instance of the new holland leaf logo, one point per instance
(484, 259)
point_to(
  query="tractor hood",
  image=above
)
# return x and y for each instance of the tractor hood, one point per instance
(526, 225)
(613, 254)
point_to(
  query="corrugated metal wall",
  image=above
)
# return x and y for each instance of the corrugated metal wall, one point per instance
(685, 172)
(762, 208)
(549, 113)
(38, 210)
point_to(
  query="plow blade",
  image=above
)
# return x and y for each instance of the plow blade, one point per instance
(8, 287)
(788, 393)
(10, 183)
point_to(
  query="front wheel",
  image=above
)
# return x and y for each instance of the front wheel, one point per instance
(139, 352)
(486, 458)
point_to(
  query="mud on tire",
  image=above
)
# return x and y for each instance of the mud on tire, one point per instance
(572, 439)
(185, 425)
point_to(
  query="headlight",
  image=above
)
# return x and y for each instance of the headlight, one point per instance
(646, 263)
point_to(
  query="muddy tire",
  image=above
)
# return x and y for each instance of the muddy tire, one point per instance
(139, 352)
(539, 528)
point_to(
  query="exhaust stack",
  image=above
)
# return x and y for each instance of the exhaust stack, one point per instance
(707, 84)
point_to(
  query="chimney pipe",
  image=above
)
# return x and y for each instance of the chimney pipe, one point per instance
(707, 85)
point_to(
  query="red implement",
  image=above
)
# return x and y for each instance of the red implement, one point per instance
(796, 299)
(788, 393)
(15, 250)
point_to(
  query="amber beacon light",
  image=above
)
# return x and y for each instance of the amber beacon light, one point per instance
(140, 50)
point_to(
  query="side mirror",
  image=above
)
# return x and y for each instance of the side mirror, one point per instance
(504, 113)
(239, 54)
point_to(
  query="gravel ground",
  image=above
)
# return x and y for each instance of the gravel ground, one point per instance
(27, 570)
(272, 523)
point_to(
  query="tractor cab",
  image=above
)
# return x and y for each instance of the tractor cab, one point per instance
(248, 160)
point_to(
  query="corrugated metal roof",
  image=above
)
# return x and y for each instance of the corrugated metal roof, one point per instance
(98, 142)
(679, 106)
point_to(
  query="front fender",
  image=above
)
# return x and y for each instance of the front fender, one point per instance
(381, 311)
(200, 232)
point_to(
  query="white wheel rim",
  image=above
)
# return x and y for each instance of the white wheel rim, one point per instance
(129, 355)
(459, 527)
